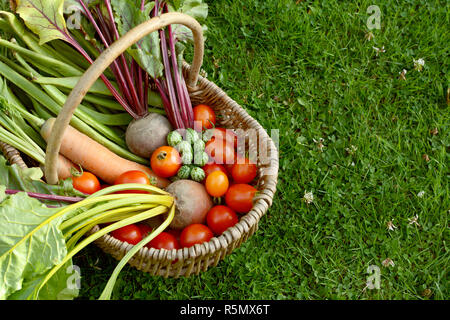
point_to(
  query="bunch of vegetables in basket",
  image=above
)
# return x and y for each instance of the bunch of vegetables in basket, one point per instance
(134, 134)
(221, 190)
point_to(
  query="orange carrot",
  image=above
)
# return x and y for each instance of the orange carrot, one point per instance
(94, 157)
(65, 167)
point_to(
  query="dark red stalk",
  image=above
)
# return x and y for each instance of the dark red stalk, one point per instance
(43, 196)
(126, 70)
(113, 90)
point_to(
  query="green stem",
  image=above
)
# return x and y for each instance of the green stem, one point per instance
(33, 91)
(76, 222)
(20, 145)
(107, 291)
(106, 217)
(60, 98)
(62, 67)
(98, 87)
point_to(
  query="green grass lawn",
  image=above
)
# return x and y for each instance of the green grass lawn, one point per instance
(370, 146)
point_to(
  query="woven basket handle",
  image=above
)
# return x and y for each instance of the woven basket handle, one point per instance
(102, 63)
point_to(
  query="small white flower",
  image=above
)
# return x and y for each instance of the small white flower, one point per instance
(369, 36)
(379, 50)
(308, 197)
(413, 220)
(418, 64)
(319, 143)
(403, 74)
(388, 262)
(421, 194)
(351, 150)
(391, 226)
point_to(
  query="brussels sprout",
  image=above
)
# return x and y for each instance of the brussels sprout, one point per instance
(184, 172)
(174, 138)
(197, 174)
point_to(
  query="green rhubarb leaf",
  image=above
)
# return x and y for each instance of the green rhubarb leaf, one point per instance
(23, 258)
(43, 17)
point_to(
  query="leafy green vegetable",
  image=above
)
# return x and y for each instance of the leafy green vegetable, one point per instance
(194, 8)
(50, 24)
(13, 177)
(24, 261)
(146, 51)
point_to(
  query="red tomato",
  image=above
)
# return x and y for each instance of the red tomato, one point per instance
(165, 161)
(239, 197)
(243, 171)
(195, 233)
(225, 134)
(220, 218)
(164, 240)
(133, 176)
(86, 183)
(145, 229)
(130, 233)
(216, 184)
(211, 167)
(205, 116)
(220, 151)
(175, 233)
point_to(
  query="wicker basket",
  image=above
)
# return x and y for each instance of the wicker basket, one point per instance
(193, 260)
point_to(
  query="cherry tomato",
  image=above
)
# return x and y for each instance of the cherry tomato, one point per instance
(211, 167)
(133, 176)
(130, 233)
(220, 151)
(195, 233)
(216, 184)
(164, 240)
(220, 218)
(145, 229)
(86, 183)
(205, 115)
(175, 233)
(239, 197)
(243, 171)
(225, 134)
(165, 161)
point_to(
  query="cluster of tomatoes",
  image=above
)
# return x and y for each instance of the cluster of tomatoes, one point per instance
(228, 179)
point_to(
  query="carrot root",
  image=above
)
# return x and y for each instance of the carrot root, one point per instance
(94, 157)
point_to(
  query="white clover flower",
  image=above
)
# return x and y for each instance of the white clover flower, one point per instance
(351, 150)
(421, 194)
(418, 64)
(413, 220)
(369, 36)
(308, 197)
(379, 50)
(391, 226)
(319, 143)
(388, 262)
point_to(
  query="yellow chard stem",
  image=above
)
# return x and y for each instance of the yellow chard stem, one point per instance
(107, 291)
